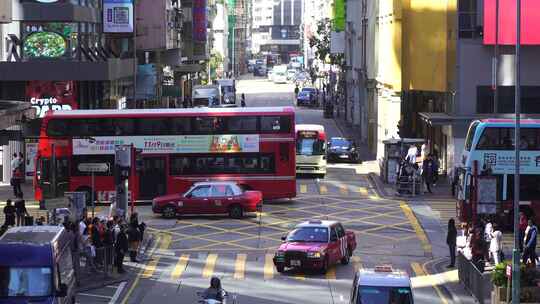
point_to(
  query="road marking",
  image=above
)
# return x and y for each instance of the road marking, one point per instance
(356, 263)
(300, 276)
(303, 188)
(417, 228)
(208, 270)
(180, 267)
(117, 293)
(323, 189)
(240, 266)
(150, 268)
(138, 277)
(420, 272)
(344, 190)
(331, 273)
(94, 295)
(268, 267)
(363, 191)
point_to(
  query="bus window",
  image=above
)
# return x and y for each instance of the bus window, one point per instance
(470, 136)
(124, 126)
(209, 125)
(496, 139)
(275, 124)
(242, 124)
(180, 125)
(529, 187)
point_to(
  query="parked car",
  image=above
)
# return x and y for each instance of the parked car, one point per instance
(381, 285)
(315, 244)
(209, 198)
(260, 70)
(291, 74)
(342, 149)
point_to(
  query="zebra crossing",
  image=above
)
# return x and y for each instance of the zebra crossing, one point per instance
(335, 189)
(170, 266)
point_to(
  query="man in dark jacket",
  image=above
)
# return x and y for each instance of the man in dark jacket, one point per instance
(9, 212)
(134, 238)
(529, 245)
(20, 209)
(121, 247)
(427, 171)
(451, 241)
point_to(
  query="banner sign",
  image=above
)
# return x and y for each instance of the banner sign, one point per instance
(118, 16)
(199, 20)
(30, 160)
(170, 144)
(51, 95)
(503, 162)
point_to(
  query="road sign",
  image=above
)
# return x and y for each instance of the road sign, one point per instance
(509, 270)
(93, 167)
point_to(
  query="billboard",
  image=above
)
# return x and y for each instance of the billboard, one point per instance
(200, 21)
(51, 95)
(169, 144)
(118, 16)
(530, 22)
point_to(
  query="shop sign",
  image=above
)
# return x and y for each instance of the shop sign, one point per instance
(170, 144)
(51, 95)
(118, 16)
(503, 162)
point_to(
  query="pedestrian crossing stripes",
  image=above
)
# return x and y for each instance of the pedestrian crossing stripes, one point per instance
(335, 189)
(236, 266)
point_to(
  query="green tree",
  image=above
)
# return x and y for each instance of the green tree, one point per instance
(321, 41)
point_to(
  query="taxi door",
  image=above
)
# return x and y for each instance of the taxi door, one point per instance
(198, 200)
(219, 200)
(334, 246)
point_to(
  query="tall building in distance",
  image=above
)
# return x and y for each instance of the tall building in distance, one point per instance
(276, 27)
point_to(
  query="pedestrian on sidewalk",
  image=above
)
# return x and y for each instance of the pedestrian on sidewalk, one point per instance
(16, 175)
(121, 247)
(134, 236)
(495, 245)
(523, 222)
(20, 210)
(9, 213)
(427, 172)
(451, 237)
(243, 100)
(529, 250)
(436, 166)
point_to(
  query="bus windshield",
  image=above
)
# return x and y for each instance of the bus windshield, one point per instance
(25, 281)
(384, 295)
(309, 146)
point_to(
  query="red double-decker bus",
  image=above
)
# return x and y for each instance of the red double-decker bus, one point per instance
(253, 146)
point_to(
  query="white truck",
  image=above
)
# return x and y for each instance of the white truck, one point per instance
(206, 96)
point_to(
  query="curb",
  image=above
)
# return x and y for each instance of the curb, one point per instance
(101, 284)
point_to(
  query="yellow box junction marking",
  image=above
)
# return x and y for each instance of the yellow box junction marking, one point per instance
(323, 189)
(268, 267)
(150, 268)
(303, 188)
(331, 273)
(180, 267)
(208, 270)
(420, 272)
(363, 191)
(416, 226)
(240, 266)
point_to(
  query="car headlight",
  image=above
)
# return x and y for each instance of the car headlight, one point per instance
(314, 254)
(280, 253)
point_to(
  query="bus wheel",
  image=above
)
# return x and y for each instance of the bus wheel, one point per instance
(169, 212)
(88, 192)
(236, 212)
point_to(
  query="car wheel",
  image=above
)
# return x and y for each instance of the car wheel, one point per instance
(280, 268)
(324, 268)
(236, 212)
(169, 212)
(346, 258)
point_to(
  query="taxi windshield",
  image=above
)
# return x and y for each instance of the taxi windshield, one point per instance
(384, 295)
(25, 281)
(309, 234)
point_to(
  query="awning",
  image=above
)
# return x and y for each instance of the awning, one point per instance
(188, 68)
(14, 112)
(444, 119)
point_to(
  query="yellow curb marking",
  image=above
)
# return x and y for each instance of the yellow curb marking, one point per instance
(150, 268)
(268, 267)
(180, 267)
(421, 272)
(208, 270)
(426, 246)
(240, 266)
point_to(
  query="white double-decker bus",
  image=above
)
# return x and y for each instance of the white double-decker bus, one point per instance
(310, 150)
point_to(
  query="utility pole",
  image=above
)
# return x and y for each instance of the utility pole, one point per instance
(135, 63)
(517, 139)
(496, 61)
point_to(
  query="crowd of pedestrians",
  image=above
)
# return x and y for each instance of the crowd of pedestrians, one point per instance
(484, 242)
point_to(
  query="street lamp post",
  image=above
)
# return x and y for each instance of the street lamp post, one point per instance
(517, 137)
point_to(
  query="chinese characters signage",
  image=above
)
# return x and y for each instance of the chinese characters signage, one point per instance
(51, 95)
(504, 162)
(199, 20)
(118, 16)
(170, 144)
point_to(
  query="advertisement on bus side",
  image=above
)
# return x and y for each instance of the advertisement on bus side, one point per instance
(170, 144)
(501, 162)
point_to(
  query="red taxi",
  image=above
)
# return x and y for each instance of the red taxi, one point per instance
(209, 198)
(315, 245)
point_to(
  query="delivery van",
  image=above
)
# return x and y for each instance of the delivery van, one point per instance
(36, 266)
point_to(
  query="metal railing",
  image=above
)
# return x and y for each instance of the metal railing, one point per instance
(478, 283)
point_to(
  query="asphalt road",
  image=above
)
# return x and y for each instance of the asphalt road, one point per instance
(190, 250)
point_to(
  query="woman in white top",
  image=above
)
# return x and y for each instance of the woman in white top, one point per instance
(495, 245)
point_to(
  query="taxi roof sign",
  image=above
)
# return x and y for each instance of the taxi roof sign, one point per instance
(383, 268)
